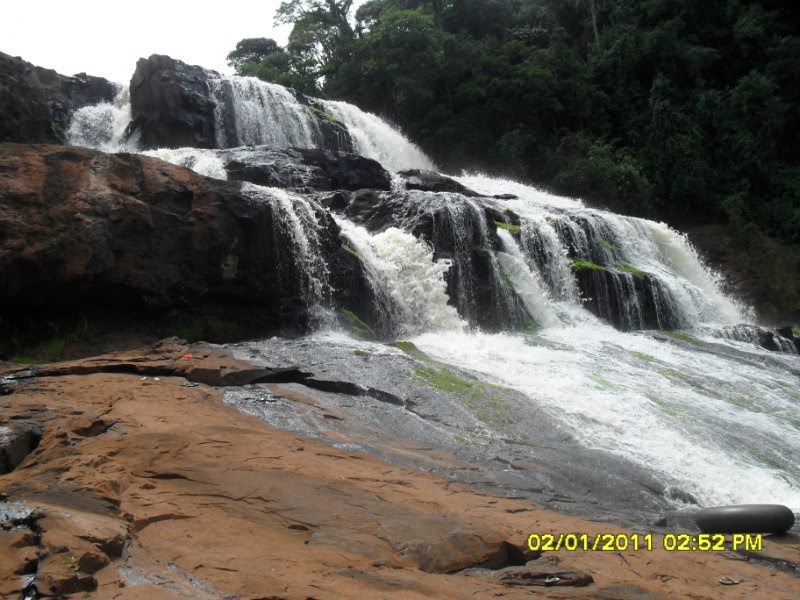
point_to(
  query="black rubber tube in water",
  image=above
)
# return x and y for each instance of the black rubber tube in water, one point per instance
(745, 518)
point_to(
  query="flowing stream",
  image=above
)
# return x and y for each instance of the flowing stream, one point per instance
(705, 410)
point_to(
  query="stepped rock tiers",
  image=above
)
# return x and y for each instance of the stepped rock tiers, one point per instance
(36, 103)
(124, 497)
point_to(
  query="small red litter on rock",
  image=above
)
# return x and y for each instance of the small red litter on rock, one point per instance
(187, 356)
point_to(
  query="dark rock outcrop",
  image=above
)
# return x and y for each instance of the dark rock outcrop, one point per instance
(304, 169)
(459, 230)
(775, 340)
(628, 301)
(335, 135)
(36, 103)
(84, 229)
(430, 181)
(170, 104)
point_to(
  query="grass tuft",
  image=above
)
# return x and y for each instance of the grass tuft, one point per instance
(513, 229)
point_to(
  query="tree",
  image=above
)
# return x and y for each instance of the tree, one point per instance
(322, 36)
(252, 50)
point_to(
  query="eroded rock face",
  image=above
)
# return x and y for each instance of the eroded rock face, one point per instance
(305, 169)
(36, 103)
(17, 440)
(430, 181)
(80, 229)
(170, 104)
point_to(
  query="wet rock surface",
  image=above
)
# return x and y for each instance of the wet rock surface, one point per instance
(386, 401)
(304, 170)
(144, 488)
(430, 181)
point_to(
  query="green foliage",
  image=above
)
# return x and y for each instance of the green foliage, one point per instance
(621, 268)
(57, 131)
(323, 115)
(350, 250)
(72, 563)
(252, 51)
(209, 328)
(51, 341)
(662, 108)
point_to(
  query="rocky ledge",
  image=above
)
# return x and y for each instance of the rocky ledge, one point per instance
(149, 486)
(37, 103)
(80, 229)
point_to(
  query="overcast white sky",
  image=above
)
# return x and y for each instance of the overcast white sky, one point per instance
(107, 37)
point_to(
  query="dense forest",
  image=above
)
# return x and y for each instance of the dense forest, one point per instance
(671, 109)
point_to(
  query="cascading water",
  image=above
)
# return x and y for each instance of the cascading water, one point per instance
(205, 162)
(253, 112)
(103, 126)
(375, 138)
(720, 426)
(404, 277)
(299, 220)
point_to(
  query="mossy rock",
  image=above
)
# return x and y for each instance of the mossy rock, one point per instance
(580, 265)
(328, 117)
(357, 327)
(410, 348)
(679, 335)
(209, 328)
(632, 270)
(513, 229)
(350, 250)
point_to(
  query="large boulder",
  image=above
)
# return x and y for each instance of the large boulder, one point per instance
(173, 106)
(82, 229)
(305, 169)
(170, 104)
(430, 181)
(36, 103)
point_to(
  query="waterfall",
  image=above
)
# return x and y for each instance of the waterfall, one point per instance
(299, 221)
(649, 265)
(252, 112)
(521, 288)
(526, 282)
(205, 162)
(409, 284)
(102, 126)
(375, 138)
